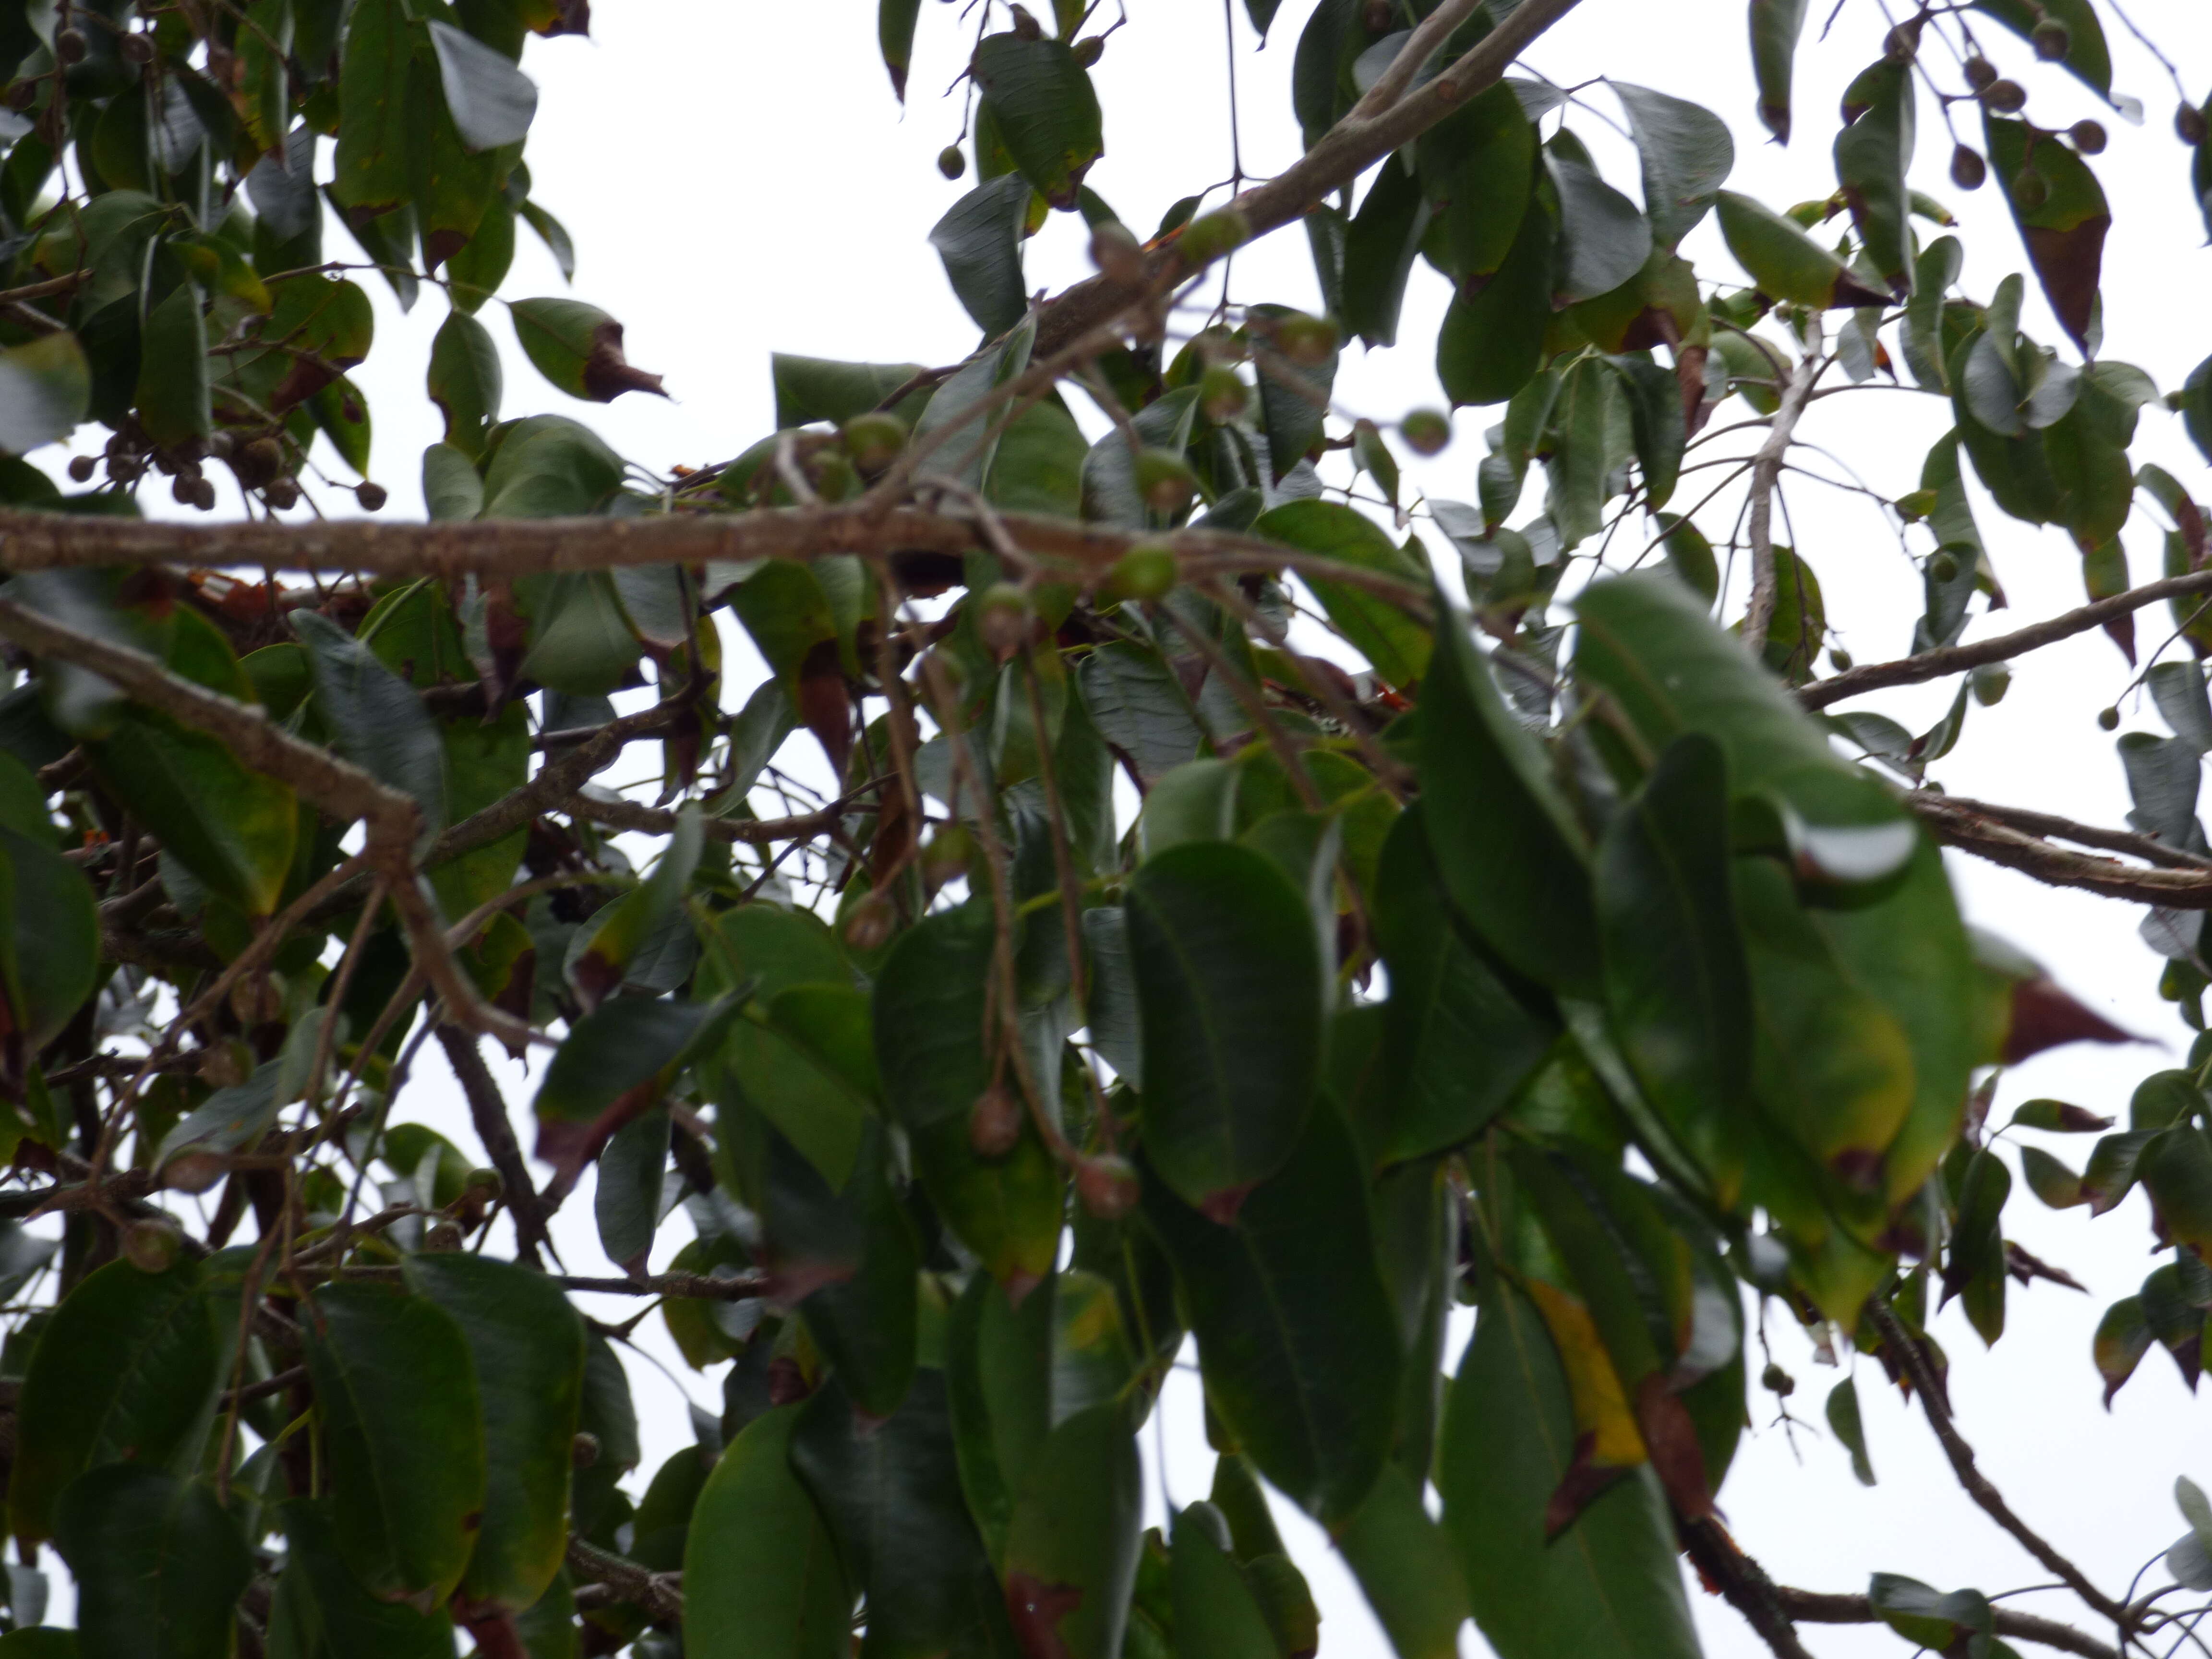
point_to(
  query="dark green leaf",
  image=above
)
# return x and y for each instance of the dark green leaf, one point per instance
(1603, 238)
(1395, 644)
(376, 719)
(579, 348)
(1843, 1414)
(1215, 1610)
(979, 239)
(894, 26)
(1775, 26)
(159, 1565)
(1071, 1548)
(2061, 214)
(1492, 341)
(1655, 410)
(1404, 1562)
(46, 385)
(465, 383)
(1379, 246)
(491, 100)
(1046, 112)
(1873, 156)
(320, 1608)
(1686, 153)
(761, 1573)
(1786, 262)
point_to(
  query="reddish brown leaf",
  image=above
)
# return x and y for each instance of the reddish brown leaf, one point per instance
(1582, 1482)
(608, 374)
(1672, 1439)
(2045, 1017)
(825, 705)
(1035, 1609)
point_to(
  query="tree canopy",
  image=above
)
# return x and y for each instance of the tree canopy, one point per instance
(1131, 876)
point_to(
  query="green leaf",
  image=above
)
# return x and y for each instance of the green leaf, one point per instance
(403, 1434)
(1478, 173)
(172, 369)
(969, 446)
(1495, 810)
(1608, 1589)
(601, 955)
(1379, 246)
(2087, 54)
(1775, 26)
(894, 24)
(2123, 1338)
(45, 387)
(979, 239)
(1395, 644)
(375, 718)
(999, 1379)
(1873, 156)
(1926, 1616)
(1294, 397)
(929, 1006)
(491, 100)
(626, 1202)
(1843, 1414)
(1047, 114)
(1492, 341)
(2061, 214)
(465, 382)
(1654, 410)
(891, 1493)
(579, 348)
(158, 1563)
(57, 947)
(1007, 1210)
(1071, 1548)
(319, 1607)
(126, 1370)
(2177, 1170)
(613, 1064)
(1786, 262)
(1038, 467)
(375, 120)
(1230, 992)
(2051, 1179)
(484, 760)
(808, 389)
(1297, 1341)
(1603, 238)
(1405, 1565)
(1686, 153)
(761, 1574)
(527, 1346)
(1216, 1613)
(1677, 982)
(1447, 1003)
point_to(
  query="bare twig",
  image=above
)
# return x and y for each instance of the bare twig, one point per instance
(1766, 477)
(658, 1593)
(1815, 1607)
(1957, 824)
(1743, 1583)
(488, 1114)
(2082, 835)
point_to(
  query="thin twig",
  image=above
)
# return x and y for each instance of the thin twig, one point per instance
(1765, 478)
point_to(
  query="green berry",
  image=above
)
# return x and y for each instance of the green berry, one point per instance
(950, 162)
(874, 440)
(1146, 571)
(1165, 482)
(1426, 431)
(1309, 342)
(1003, 619)
(1206, 238)
(2109, 719)
(1223, 395)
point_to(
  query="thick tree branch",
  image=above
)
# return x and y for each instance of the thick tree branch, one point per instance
(1959, 824)
(1957, 658)
(1934, 1402)
(659, 821)
(1744, 1584)
(518, 547)
(2050, 825)
(657, 1592)
(1814, 1607)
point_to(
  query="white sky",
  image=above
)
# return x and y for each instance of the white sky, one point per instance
(738, 180)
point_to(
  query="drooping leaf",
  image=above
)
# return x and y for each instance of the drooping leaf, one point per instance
(2061, 214)
(1784, 261)
(158, 1561)
(1775, 26)
(491, 102)
(579, 348)
(979, 239)
(1873, 156)
(1686, 153)
(1045, 111)
(761, 1572)
(1394, 643)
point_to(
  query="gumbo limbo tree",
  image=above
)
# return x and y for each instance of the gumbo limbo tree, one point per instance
(1583, 955)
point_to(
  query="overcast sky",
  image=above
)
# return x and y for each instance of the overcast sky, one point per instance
(738, 180)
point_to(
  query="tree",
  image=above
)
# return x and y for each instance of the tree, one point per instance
(1247, 902)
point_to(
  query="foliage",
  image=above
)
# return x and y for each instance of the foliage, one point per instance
(1216, 925)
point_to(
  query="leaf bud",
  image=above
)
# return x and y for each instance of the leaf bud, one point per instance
(152, 1246)
(951, 161)
(135, 48)
(1306, 340)
(1967, 167)
(994, 1122)
(81, 468)
(444, 1239)
(2089, 137)
(1117, 254)
(1146, 571)
(1003, 619)
(2108, 719)
(1991, 681)
(1209, 235)
(874, 440)
(1165, 482)
(2052, 39)
(2030, 191)
(1426, 431)
(70, 45)
(1223, 395)
(1087, 51)
(371, 497)
(868, 929)
(2189, 123)
(1777, 1382)
(583, 1451)
(1107, 1185)
(1980, 72)
(2005, 97)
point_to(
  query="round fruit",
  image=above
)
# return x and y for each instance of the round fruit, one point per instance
(584, 1450)
(81, 468)
(1116, 252)
(1309, 342)
(1004, 619)
(1838, 659)
(152, 1246)
(1209, 236)
(1967, 167)
(950, 162)
(443, 1239)
(2189, 122)
(2004, 96)
(1426, 431)
(1087, 51)
(2030, 191)
(1108, 1187)
(2109, 719)
(371, 497)
(874, 440)
(281, 493)
(136, 49)
(869, 927)
(1165, 482)
(1146, 571)
(1980, 72)
(994, 1122)
(1223, 395)
(1991, 681)
(1944, 568)
(2089, 137)
(2052, 39)
(486, 1182)
(1776, 1381)
(70, 45)
(203, 494)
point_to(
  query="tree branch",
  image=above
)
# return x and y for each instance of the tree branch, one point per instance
(2151, 851)
(1815, 1607)
(1957, 658)
(1960, 825)
(657, 1592)
(488, 1114)
(1766, 476)
(1744, 1584)
(1976, 1485)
